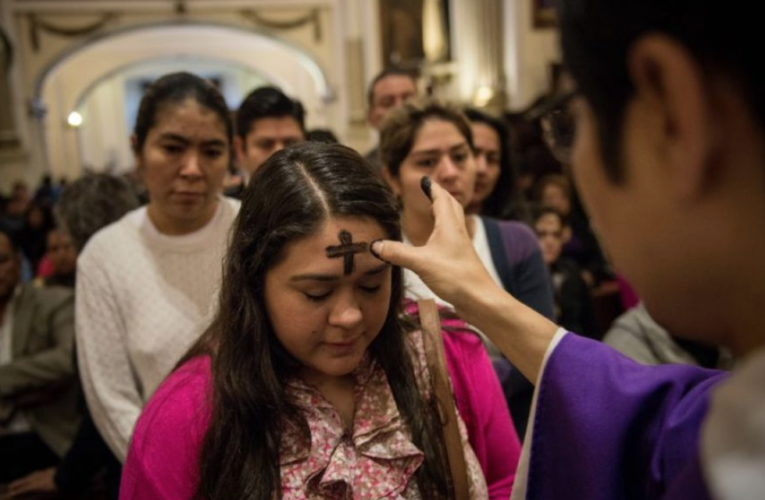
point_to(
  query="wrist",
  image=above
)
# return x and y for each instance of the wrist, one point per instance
(478, 301)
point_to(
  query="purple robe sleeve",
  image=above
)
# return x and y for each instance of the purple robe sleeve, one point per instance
(607, 428)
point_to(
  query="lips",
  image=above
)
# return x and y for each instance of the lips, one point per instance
(187, 197)
(341, 348)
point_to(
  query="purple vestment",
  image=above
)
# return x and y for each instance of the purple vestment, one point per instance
(608, 428)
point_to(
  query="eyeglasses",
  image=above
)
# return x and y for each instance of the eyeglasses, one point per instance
(558, 126)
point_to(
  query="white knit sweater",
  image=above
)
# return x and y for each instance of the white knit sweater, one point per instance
(142, 299)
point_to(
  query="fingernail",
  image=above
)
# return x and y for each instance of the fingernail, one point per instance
(425, 184)
(375, 248)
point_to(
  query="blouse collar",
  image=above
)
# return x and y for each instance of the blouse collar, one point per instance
(377, 460)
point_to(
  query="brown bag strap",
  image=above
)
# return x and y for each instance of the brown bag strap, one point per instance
(439, 375)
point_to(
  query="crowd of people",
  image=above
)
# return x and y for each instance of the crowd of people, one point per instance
(251, 321)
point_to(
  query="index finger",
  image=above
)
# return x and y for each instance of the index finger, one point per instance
(444, 208)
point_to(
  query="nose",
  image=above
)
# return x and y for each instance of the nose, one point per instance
(191, 167)
(481, 165)
(278, 146)
(346, 312)
(447, 169)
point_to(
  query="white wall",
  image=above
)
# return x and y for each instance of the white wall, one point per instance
(529, 52)
(189, 48)
(307, 60)
(347, 56)
(110, 108)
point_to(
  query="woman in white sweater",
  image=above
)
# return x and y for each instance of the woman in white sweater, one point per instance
(146, 283)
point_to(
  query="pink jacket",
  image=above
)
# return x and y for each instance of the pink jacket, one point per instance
(164, 450)
(482, 406)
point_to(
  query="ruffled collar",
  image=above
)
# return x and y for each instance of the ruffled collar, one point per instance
(376, 460)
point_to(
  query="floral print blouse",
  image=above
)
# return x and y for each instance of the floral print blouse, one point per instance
(376, 460)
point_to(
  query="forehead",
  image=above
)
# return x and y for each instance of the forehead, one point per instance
(310, 253)
(283, 126)
(189, 118)
(553, 189)
(549, 220)
(484, 133)
(392, 85)
(438, 134)
(58, 236)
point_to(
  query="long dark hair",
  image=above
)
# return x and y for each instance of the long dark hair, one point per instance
(288, 199)
(505, 202)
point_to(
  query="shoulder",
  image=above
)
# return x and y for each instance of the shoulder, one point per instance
(45, 297)
(520, 240)
(164, 450)
(231, 207)
(460, 338)
(463, 348)
(117, 237)
(179, 405)
(637, 323)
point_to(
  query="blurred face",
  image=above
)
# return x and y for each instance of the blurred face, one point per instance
(389, 93)
(35, 219)
(551, 237)
(487, 158)
(10, 269)
(61, 252)
(266, 137)
(183, 162)
(324, 313)
(20, 192)
(554, 197)
(443, 153)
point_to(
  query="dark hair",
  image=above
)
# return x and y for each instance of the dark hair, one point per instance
(400, 127)
(597, 35)
(504, 201)
(383, 75)
(288, 199)
(175, 88)
(541, 211)
(45, 213)
(91, 203)
(321, 135)
(267, 102)
(560, 181)
(12, 237)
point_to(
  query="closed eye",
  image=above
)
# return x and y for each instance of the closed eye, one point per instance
(371, 289)
(317, 297)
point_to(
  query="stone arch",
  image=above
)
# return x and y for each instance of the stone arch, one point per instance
(75, 70)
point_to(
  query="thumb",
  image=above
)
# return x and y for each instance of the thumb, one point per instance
(396, 253)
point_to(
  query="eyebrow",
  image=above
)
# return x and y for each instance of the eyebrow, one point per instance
(168, 136)
(335, 277)
(427, 152)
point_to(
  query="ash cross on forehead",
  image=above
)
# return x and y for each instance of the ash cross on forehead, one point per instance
(346, 250)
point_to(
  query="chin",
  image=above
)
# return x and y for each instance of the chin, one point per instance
(480, 194)
(338, 368)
